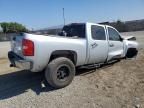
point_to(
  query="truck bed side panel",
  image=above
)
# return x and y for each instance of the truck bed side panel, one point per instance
(45, 45)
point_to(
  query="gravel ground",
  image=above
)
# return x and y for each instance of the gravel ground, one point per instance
(119, 85)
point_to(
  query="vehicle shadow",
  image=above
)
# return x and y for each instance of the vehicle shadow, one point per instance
(16, 83)
(19, 82)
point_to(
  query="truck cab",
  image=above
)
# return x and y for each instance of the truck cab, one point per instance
(104, 43)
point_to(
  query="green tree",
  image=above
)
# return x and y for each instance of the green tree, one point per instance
(13, 27)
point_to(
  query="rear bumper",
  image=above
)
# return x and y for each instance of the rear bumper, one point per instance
(19, 62)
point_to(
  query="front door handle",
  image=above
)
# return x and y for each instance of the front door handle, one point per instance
(111, 45)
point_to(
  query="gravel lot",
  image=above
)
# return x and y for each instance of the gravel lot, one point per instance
(119, 85)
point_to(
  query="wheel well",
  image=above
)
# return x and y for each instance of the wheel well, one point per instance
(131, 52)
(72, 55)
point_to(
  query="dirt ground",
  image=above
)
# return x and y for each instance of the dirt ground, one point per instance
(118, 85)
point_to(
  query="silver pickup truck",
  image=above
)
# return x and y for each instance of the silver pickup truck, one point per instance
(79, 44)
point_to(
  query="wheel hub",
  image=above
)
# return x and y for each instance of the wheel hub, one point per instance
(63, 73)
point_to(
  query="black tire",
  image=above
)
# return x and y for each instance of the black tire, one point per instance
(60, 72)
(132, 52)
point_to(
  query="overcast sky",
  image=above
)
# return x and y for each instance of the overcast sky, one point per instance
(46, 13)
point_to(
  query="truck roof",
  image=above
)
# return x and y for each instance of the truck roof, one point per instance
(84, 23)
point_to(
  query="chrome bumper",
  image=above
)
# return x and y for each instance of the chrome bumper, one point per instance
(19, 62)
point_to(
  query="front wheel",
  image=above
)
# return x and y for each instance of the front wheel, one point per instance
(60, 72)
(132, 52)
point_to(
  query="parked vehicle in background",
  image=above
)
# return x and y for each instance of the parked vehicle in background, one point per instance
(79, 44)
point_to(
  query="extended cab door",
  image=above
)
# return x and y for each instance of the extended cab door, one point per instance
(97, 43)
(116, 46)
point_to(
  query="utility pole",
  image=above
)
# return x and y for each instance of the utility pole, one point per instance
(64, 15)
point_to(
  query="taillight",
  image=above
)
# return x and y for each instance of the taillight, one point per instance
(27, 47)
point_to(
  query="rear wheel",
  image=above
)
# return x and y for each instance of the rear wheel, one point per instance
(60, 72)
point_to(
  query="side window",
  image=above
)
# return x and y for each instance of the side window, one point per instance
(113, 35)
(98, 32)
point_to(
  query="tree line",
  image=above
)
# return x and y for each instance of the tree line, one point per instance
(121, 26)
(12, 27)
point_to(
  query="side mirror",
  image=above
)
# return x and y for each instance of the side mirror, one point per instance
(121, 39)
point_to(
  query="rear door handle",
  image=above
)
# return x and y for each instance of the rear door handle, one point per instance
(94, 45)
(111, 45)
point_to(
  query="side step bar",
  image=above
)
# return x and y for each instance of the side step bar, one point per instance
(95, 66)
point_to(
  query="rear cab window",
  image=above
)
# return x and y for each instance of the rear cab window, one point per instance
(75, 30)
